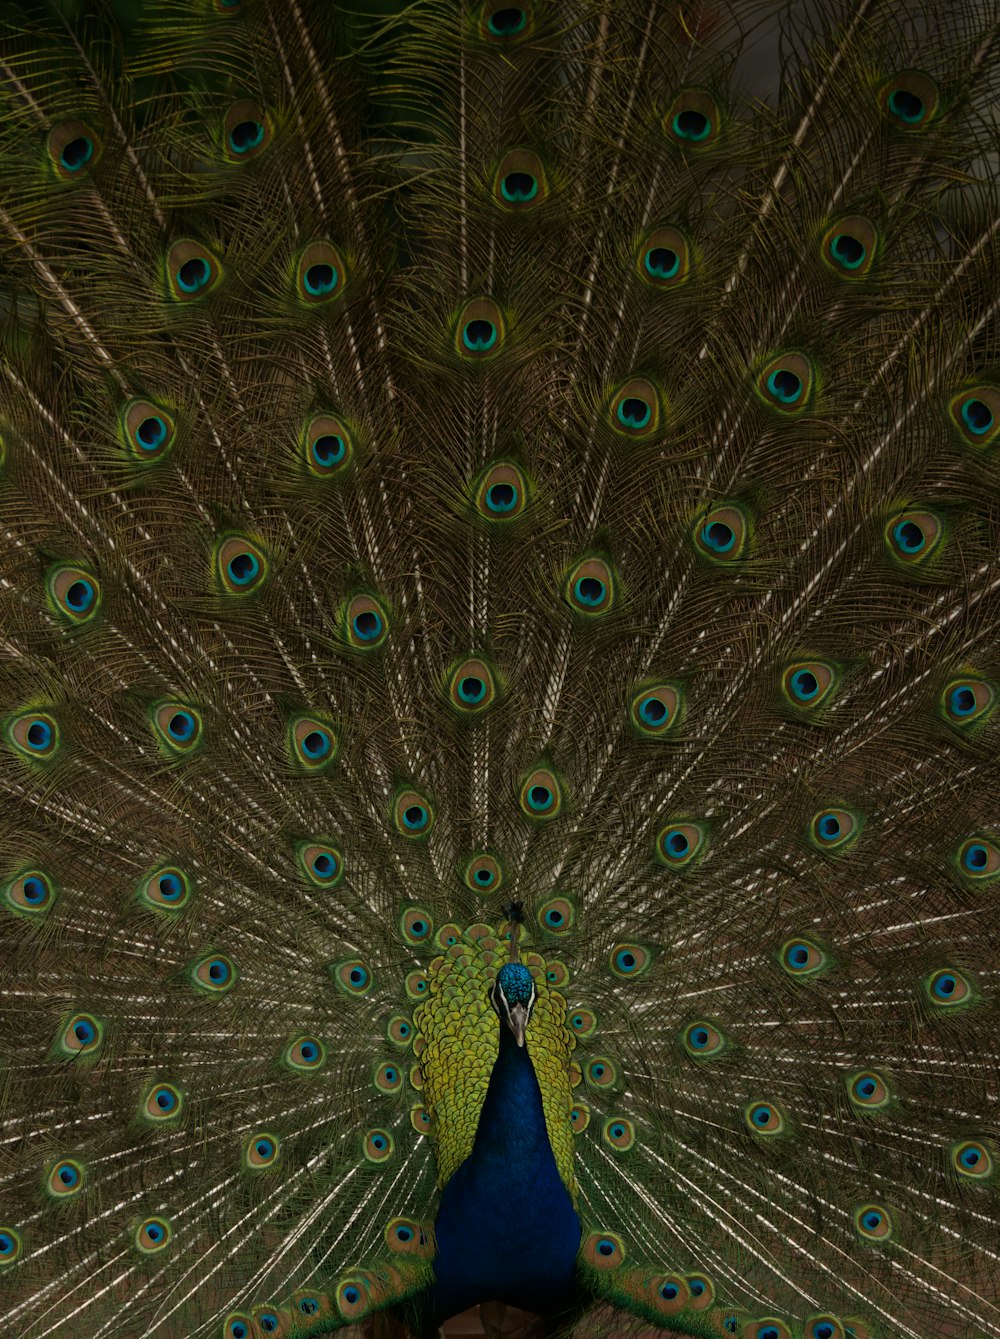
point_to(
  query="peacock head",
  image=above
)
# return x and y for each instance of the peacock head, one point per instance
(513, 997)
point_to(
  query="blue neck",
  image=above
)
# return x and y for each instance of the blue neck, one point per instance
(511, 1130)
(506, 1228)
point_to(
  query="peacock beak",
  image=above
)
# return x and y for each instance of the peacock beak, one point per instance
(517, 1020)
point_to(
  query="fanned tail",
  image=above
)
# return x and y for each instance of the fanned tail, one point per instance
(501, 454)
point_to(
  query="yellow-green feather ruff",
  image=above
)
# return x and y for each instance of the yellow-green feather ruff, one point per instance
(458, 1041)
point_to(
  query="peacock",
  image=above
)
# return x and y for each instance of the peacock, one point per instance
(500, 625)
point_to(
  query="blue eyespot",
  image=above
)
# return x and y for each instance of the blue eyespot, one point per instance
(151, 433)
(961, 700)
(849, 253)
(77, 153)
(784, 385)
(518, 187)
(828, 827)
(662, 262)
(479, 335)
(80, 595)
(328, 450)
(471, 690)
(652, 711)
(977, 416)
(194, 274)
(367, 625)
(501, 497)
(316, 744)
(906, 105)
(243, 568)
(718, 536)
(33, 890)
(590, 591)
(39, 735)
(909, 536)
(181, 725)
(320, 279)
(171, 887)
(975, 857)
(804, 685)
(245, 136)
(633, 412)
(692, 126)
(507, 22)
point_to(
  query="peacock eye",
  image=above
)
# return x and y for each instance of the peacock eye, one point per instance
(541, 795)
(636, 408)
(520, 184)
(501, 494)
(484, 873)
(656, 709)
(413, 814)
(693, 120)
(590, 588)
(480, 330)
(366, 623)
(664, 259)
(472, 687)
(319, 274)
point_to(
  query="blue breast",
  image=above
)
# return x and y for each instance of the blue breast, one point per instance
(506, 1229)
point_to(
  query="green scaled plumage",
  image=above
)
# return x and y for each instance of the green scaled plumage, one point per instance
(489, 483)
